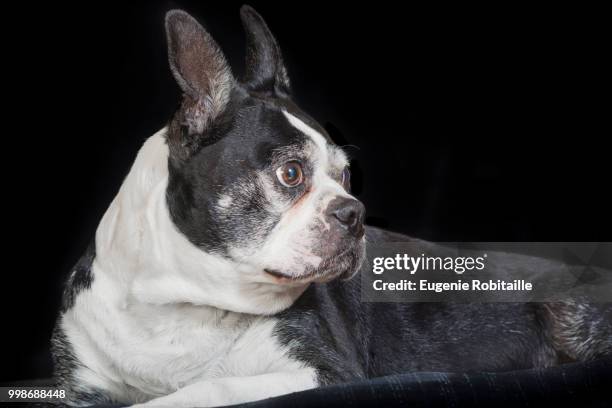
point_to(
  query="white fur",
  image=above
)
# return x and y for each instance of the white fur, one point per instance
(224, 202)
(164, 317)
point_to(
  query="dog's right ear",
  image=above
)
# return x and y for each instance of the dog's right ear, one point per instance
(201, 71)
(265, 70)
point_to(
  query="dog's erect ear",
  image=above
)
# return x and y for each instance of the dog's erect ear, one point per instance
(265, 70)
(200, 69)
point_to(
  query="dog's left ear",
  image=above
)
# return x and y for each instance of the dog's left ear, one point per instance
(265, 70)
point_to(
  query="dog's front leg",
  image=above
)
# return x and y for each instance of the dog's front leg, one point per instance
(236, 390)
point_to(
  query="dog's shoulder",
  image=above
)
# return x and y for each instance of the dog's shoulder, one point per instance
(325, 329)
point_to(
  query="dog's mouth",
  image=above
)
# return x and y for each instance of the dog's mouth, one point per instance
(343, 264)
(313, 276)
(283, 277)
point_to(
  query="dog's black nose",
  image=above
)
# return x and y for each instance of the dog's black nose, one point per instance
(350, 213)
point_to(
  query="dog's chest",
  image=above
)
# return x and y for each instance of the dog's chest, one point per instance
(184, 343)
(158, 352)
(188, 346)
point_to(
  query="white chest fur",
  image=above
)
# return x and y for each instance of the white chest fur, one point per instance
(138, 352)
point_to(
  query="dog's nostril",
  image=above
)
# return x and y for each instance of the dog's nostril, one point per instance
(346, 215)
(350, 214)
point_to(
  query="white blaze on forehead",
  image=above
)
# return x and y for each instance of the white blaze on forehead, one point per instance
(330, 154)
(299, 124)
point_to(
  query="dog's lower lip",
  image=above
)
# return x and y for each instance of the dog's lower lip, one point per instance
(282, 277)
(277, 274)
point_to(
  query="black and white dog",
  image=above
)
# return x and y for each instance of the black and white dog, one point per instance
(219, 273)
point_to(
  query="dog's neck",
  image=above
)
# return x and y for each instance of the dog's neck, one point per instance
(141, 251)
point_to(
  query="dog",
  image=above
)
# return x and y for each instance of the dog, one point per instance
(220, 273)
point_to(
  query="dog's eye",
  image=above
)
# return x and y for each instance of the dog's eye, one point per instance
(290, 174)
(346, 179)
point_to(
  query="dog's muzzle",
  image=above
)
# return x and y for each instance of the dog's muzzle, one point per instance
(341, 245)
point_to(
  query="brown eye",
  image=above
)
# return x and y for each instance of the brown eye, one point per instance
(346, 179)
(290, 174)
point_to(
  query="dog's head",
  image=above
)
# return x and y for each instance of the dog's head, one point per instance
(252, 178)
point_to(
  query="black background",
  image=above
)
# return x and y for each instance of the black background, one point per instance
(471, 124)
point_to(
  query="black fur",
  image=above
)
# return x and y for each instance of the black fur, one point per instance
(266, 72)
(80, 277)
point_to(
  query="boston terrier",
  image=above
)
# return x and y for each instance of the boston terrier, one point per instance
(221, 272)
